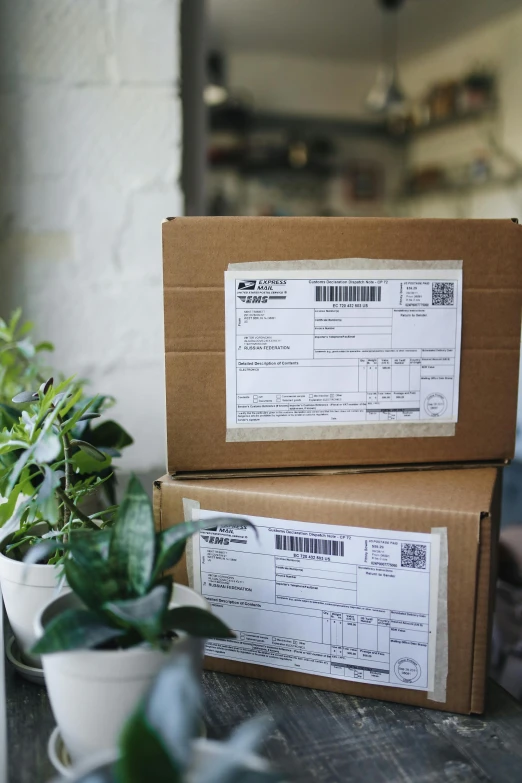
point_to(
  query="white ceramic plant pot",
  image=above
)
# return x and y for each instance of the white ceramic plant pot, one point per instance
(206, 752)
(26, 590)
(93, 692)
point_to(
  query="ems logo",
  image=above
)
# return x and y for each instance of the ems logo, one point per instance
(246, 285)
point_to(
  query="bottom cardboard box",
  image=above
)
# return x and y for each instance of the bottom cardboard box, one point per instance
(376, 585)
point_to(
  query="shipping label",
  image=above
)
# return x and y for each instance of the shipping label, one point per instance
(342, 347)
(344, 602)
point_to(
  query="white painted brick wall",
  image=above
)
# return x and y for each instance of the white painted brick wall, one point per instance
(90, 133)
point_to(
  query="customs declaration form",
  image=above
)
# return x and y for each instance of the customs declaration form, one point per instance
(330, 347)
(334, 601)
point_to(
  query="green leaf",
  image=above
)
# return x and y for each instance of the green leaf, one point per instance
(104, 774)
(47, 448)
(88, 416)
(15, 318)
(75, 629)
(132, 545)
(47, 385)
(41, 551)
(173, 709)
(43, 346)
(49, 510)
(27, 327)
(197, 622)
(17, 469)
(82, 463)
(231, 766)
(25, 396)
(50, 481)
(7, 509)
(89, 575)
(71, 399)
(110, 435)
(13, 521)
(85, 541)
(26, 348)
(9, 415)
(90, 450)
(145, 614)
(171, 542)
(77, 415)
(143, 755)
(163, 728)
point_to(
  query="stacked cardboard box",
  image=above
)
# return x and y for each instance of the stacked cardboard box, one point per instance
(350, 386)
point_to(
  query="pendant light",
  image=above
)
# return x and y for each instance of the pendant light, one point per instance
(386, 95)
(215, 92)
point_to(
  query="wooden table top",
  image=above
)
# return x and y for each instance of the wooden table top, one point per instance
(319, 736)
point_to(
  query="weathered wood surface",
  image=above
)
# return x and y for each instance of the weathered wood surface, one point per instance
(319, 736)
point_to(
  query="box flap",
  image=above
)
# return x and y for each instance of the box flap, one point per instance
(448, 491)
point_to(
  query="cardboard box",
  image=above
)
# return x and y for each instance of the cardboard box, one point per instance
(444, 650)
(197, 252)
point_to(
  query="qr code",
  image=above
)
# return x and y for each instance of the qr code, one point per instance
(413, 555)
(442, 294)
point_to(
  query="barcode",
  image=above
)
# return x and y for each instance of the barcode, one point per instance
(443, 294)
(314, 546)
(348, 293)
(413, 555)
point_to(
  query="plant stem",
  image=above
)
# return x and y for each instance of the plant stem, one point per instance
(75, 510)
(66, 454)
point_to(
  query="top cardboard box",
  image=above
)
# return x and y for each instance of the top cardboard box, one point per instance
(471, 418)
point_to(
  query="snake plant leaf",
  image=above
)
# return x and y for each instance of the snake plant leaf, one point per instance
(91, 578)
(84, 541)
(132, 547)
(90, 450)
(143, 755)
(104, 774)
(145, 614)
(231, 765)
(164, 727)
(75, 629)
(196, 622)
(171, 542)
(176, 685)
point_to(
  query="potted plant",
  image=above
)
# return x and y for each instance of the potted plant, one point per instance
(103, 642)
(159, 741)
(20, 369)
(48, 470)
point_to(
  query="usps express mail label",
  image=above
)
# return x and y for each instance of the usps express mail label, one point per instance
(342, 347)
(344, 602)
